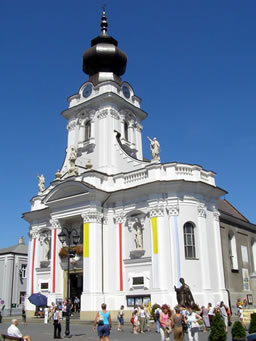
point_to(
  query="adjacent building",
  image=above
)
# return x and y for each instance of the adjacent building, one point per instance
(13, 269)
(238, 240)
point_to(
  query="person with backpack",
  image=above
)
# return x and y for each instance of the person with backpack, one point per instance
(157, 319)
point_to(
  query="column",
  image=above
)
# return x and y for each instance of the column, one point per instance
(81, 132)
(92, 261)
(71, 134)
(31, 278)
(33, 287)
(56, 283)
(203, 247)
(173, 211)
(218, 251)
(131, 132)
(156, 213)
(119, 220)
(138, 141)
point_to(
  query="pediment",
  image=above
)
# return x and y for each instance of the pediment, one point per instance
(68, 189)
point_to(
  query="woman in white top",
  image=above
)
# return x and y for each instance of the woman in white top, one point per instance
(192, 323)
(46, 315)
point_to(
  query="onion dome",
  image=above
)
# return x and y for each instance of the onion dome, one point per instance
(104, 60)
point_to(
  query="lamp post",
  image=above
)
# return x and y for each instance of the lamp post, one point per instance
(65, 236)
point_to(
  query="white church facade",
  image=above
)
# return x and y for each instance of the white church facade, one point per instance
(142, 224)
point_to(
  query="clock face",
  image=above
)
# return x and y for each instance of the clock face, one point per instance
(87, 90)
(126, 91)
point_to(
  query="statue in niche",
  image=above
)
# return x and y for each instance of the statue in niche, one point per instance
(45, 243)
(154, 148)
(138, 235)
(184, 295)
(41, 181)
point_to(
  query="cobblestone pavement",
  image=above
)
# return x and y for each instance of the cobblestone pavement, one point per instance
(84, 331)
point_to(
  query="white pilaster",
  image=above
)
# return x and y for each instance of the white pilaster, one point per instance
(92, 261)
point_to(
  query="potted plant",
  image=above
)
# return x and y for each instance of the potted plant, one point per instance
(75, 249)
(252, 326)
(218, 329)
(238, 332)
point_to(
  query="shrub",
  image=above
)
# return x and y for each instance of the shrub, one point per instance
(238, 331)
(153, 309)
(252, 327)
(218, 329)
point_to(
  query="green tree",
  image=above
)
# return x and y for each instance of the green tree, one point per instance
(252, 327)
(218, 329)
(238, 332)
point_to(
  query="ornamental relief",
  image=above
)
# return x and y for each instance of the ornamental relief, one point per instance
(71, 125)
(216, 215)
(92, 217)
(114, 114)
(55, 223)
(34, 234)
(173, 210)
(156, 211)
(103, 114)
(119, 218)
(201, 211)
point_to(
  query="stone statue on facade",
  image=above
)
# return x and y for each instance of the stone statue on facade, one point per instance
(155, 149)
(41, 181)
(184, 295)
(58, 175)
(45, 241)
(72, 160)
(138, 236)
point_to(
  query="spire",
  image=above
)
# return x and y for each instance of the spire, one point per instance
(104, 57)
(104, 23)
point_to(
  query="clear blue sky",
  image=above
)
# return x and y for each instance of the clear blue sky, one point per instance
(193, 63)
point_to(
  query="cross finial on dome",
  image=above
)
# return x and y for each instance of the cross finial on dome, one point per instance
(104, 23)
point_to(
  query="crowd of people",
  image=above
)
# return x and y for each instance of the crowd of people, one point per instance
(177, 321)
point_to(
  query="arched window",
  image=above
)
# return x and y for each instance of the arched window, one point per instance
(88, 130)
(126, 130)
(189, 240)
(232, 251)
(254, 255)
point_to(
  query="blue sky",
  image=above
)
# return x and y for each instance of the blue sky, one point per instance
(191, 62)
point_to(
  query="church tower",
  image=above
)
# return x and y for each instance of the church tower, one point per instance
(104, 117)
(142, 225)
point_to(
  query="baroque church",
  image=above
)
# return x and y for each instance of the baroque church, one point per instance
(140, 225)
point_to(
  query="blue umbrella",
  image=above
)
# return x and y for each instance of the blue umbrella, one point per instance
(38, 299)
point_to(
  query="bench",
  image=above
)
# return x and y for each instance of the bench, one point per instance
(7, 337)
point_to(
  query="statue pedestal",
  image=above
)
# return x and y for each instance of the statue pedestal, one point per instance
(137, 253)
(44, 264)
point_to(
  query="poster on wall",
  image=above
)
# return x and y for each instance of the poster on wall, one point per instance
(245, 274)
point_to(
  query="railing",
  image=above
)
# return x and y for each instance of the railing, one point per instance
(134, 177)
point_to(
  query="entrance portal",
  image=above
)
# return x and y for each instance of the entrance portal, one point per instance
(76, 288)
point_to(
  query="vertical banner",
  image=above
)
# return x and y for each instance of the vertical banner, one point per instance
(245, 274)
(33, 266)
(86, 240)
(54, 260)
(120, 257)
(154, 234)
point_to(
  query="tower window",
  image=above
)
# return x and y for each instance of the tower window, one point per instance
(88, 130)
(23, 270)
(126, 130)
(233, 251)
(189, 240)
